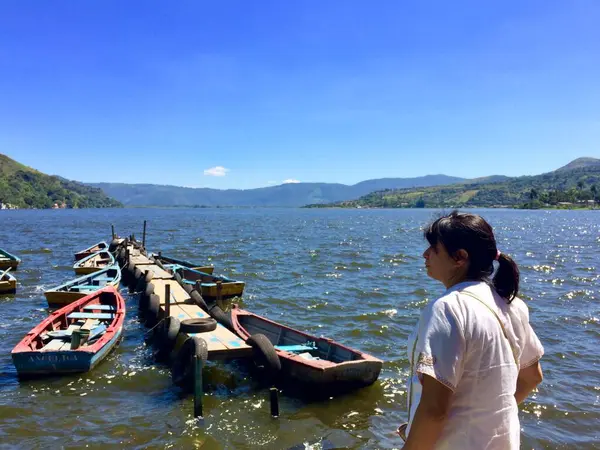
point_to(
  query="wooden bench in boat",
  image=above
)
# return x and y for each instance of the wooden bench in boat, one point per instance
(297, 348)
(87, 315)
(99, 307)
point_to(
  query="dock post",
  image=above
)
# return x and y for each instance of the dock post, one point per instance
(274, 397)
(112, 228)
(167, 300)
(144, 236)
(197, 387)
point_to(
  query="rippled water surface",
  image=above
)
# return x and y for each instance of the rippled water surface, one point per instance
(353, 275)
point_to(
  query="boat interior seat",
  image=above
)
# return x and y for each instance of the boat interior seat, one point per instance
(85, 287)
(297, 347)
(89, 315)
(98, 307)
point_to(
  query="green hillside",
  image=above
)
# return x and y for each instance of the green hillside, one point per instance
(25, 187)
(570, 186)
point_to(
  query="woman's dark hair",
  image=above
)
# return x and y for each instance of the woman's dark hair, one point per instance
(473, 234)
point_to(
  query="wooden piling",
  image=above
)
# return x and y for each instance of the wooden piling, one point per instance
(274, 397)
(112, 228)
(167, 300)
(198, 387)
(144, 236)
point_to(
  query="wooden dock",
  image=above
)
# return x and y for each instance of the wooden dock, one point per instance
(221, 343)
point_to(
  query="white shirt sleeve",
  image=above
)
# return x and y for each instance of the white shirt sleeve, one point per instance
(532, 349)
(441, 344)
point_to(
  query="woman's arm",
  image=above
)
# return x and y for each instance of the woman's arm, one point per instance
(431, 415)
(529, 378)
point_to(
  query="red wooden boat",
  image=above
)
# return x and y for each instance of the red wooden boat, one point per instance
(305, 358)
(74, 338)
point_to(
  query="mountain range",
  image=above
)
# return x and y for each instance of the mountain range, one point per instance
(578, 181)
(575, 185)
(290, 194)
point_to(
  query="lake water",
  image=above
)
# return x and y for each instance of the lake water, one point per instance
(353, 275)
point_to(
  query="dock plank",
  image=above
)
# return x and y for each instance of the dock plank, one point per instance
(157, 272)
(178, 294)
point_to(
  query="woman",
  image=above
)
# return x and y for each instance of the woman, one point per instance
(473, 356)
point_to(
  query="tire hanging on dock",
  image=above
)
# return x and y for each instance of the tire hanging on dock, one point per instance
(198, 300)
(152, 314)
(165, 336)
(143, 282)
(183, 363)
(221, 316)
(264, 353)
(202, 325)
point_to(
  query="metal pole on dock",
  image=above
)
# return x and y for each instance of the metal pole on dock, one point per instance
(274, 397)
(144, 236)
(197, 387)
(167, 300)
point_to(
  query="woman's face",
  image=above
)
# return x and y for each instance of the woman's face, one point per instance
(440, 265)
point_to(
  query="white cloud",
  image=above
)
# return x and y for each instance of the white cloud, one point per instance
(218, 171)
(290, 180)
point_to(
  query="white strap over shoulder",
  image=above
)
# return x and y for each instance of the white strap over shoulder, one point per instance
(515, 356)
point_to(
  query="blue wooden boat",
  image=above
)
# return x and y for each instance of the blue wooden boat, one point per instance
(181, 262)
(80, 287)
(8, 260)
(212, 287)
(74, 338)
(94, 262)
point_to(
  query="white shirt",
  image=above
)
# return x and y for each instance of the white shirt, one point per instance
(461, 344)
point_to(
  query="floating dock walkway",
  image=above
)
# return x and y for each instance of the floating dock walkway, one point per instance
(221, 343)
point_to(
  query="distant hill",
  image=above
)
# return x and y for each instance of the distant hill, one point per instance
(575, 184)
(580, 163)
(25, 187)
(291, 195)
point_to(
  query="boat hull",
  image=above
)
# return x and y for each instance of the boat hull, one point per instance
(227, 289)
(8, 260)
(61, 298)
(68, 292)
(94, 263)
(11, 263)
(340, 369)
(8, 284)
(31, 364)
(91, 250)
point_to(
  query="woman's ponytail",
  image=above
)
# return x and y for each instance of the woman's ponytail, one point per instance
(506, 280)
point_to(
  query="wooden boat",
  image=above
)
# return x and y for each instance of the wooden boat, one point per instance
(91, 250)
(74, 338)
(310, 360)
(8, 260)
(8, 283)
(181, 262)
(212, 286)
(94, 263)
(78, 288)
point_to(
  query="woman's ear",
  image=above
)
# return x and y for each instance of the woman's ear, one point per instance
(461, 257)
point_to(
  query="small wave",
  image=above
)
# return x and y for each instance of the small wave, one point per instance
(35, 251)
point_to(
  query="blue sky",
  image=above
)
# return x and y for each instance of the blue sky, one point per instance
(243, 94)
